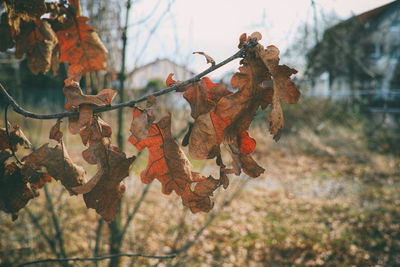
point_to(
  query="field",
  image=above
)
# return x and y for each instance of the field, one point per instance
(329, 197)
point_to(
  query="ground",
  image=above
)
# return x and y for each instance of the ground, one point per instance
(329, 197)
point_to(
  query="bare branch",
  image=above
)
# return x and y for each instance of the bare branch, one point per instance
(49, 240)
(57, 228)
(17, 108)
(211, 218)
(135, 209)
(99, 258)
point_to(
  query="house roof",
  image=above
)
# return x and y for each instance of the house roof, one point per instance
(376, 12)
(155, 62)
(371, 17)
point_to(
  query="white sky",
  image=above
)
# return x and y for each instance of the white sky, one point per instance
(214, 26)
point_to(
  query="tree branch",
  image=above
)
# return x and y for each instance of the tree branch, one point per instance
(99, 258)
(17, 108)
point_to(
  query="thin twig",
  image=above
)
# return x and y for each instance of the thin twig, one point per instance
(17, 108)
(50, 241)
(135, 209)
(99, 258)
(98, 239)
(211, 218)
(56, 223)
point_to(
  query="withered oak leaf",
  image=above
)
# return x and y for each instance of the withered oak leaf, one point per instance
(58, 164)
(285, 90)
(20, 11)
(103, 191)
(208, 58)
(16, 137)
(81, 47)
(222, 117)
(37, 40)
(15, 191)
(75, 99)
(109, 188)
(168, 164)
(31, 8)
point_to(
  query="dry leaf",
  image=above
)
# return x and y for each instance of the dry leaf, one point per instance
(86, 103)
(167, 162)
(38, 41)
(107, 187)
(103, 191)
(208, 58)
(58, 164)
(55, 132)
(81, 47)
(16, 138)
(15, 191)
(284, 90)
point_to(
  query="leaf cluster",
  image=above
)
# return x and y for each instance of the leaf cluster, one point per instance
(221, 118)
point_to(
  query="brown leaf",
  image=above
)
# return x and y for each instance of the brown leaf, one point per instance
(55, 60)
(55, 132)
(97, 130)
(20, 11)
(259, 82)
(199, 198)
(16, 138)
(75, 97)
(31, 8)
(38, 41)
(202, 96)
(168, 164)
(6, 40)
(284, 90)
(86, 104)
(81, 47)
(58, 164)
(203, 140)
(108, 188)
(15, 191)
(143, 119)
(208, 58)
(105, 188)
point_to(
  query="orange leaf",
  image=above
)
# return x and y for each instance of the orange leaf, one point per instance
(246, 143)
(168, 164)
(81, 47)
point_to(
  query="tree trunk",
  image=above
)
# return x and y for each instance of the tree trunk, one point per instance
(116, 225)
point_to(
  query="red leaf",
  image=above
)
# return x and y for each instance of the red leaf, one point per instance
(81, 47)
(168, 164)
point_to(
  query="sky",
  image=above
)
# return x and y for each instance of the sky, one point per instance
(214, 26)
